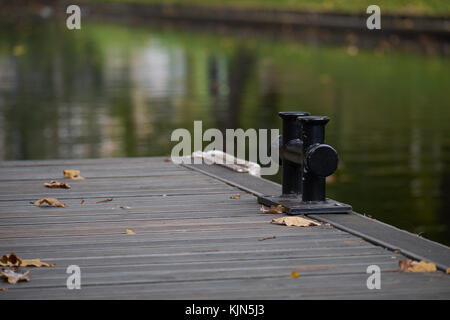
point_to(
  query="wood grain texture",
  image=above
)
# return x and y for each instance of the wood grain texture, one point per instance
(195, 242)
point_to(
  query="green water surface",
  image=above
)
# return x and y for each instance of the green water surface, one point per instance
(119, 91)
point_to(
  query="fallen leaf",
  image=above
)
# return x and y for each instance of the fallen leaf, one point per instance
(164, 195)
(414, 266)
(13, 277)
(106, 200)
(51, 202)
(273, 209)
(83, 202)
(266, 238)
(129, 231)
(447, 271)
(295, 274)
(295, 221)
(11, 260)
(123, 207)
(35, 263)
(72, 174)
(4, 289)
(236, 196)
(56, 184)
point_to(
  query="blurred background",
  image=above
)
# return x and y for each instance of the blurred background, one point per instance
(119, 86)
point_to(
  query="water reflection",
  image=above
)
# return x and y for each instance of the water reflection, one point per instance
(113, 91)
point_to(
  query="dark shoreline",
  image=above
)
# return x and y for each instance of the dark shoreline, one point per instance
(424, 34)
(276, 18)
(429, 35)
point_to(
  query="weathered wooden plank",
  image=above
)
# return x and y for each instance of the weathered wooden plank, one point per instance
(198, 237)
(312, 287)
(78, 162)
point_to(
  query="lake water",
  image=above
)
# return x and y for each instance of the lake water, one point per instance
(119, 91)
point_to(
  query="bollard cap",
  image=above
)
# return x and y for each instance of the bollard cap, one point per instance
(313, 119)
(292, 114)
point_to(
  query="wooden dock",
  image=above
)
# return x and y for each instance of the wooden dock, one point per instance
(192, 239)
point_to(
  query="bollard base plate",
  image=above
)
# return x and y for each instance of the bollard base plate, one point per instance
(295, 205)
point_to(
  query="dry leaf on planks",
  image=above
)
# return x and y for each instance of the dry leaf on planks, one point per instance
(273, 209)
(72, 174)
(50, 202)
(295, 221)
(13, 277)
(414, 266)
(56, 184)
(12, 260)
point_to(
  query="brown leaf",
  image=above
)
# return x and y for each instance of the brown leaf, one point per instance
(51, 202)
(13, 277)
(414, 266)
(83, 202)
(123, 207)
(103, 201)
(236, 196)
(295, 221)
(56, 184)
(447, 271)
(72, 174)
(11, 260)
(129, 231)
(273, 209)
(4, 289)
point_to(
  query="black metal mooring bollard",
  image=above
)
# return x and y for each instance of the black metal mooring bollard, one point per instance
(306, 162)
(320, 160)
(291, 138)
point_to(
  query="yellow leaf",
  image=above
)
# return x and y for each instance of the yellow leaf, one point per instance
(414, 266)
(56, 184)
(295, 274)
(72, 174)
(129, 231)
(273, 209)
(51, 202)
(11, 260)
(35, 263)
(295, 221)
